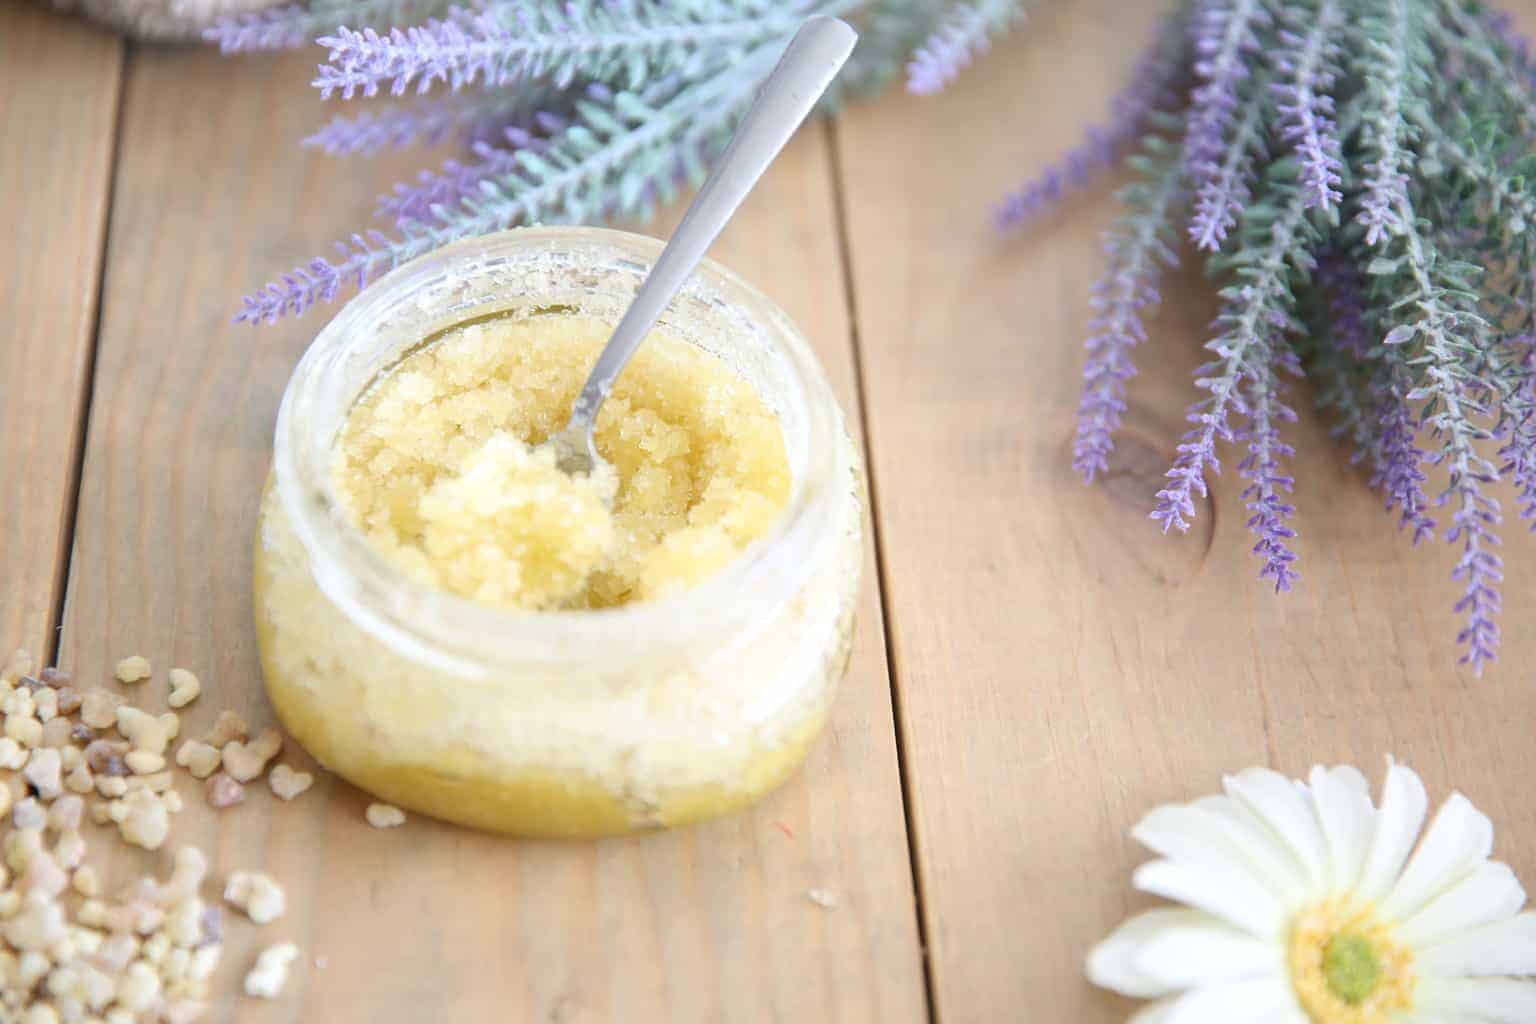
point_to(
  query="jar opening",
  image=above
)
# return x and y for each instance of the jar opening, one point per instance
(549, 271)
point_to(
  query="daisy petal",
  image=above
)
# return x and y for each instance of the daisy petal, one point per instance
(1204, 951)
(1504, 1000)
(1459, 840)
(1257, 999)
(1227, 894)
(1507, 947)
(1277, 802)
(1342, 799)
(1490, 893)
(1113, 963)
(1270, 857)
(1200, 834)
(1403, 803)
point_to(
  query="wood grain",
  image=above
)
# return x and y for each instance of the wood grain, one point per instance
(1060, 667)
(432, 922)
(59, 81)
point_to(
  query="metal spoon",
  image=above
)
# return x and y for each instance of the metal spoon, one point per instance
(813, 58)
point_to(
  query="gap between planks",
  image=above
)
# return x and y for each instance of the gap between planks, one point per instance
(87, 391)
(892, 669)
(61, 82)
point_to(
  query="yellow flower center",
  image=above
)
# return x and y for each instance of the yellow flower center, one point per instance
(1346, 967)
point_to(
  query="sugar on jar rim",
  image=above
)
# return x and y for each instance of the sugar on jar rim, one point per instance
(471, 278)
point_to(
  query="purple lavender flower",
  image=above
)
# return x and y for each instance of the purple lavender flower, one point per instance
(1256, 310)
(423, 123)
(620, 150)
(458, 181)
(1269, 512)
(1476, 517)
(1196, 452)
(360, 61)
(965, 34)
(1399, 463)
(497, 45)
(276, 28)
(1149, 89)
(1228, 185)
(1479, 569)
(1221, 148)
(1138, 251)
(447, 187)
(1306, 107)
(292, 26)
(1384, 185)
(1118, 302)
(1225, 34)
(1382, 65)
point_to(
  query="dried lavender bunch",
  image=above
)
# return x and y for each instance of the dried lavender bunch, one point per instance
(1357, 172)
(571, 110)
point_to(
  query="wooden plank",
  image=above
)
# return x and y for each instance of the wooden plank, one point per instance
(1060, 667)
(59, 81)
(434, 922)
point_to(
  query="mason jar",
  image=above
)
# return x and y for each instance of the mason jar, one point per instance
(556, 723)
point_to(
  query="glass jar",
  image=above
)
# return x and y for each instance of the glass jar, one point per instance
(564, 723)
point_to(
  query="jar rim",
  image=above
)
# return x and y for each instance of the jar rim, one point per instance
(471, 637)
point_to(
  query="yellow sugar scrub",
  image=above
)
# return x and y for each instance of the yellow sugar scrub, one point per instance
(457, 627)
(439, 466)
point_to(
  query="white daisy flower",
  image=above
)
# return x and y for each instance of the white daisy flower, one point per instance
(1304, 903)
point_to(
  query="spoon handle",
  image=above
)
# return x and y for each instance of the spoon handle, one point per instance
(813, 58)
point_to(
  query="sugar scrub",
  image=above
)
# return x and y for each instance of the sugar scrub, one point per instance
(439, 466)
(454, 626)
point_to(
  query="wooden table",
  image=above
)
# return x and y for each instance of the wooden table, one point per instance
(1036, 666)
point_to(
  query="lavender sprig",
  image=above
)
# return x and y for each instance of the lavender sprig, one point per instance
(1225, 184)
(618, 152)
(458, 181)
(1411, 173)
(1309, 61)
(509, 42)
(965, 34)
(1507, 365)
(428, 122)
(1257, 306)
(1447, 332)
(1139, 248)
(1269, 512)
(1148, 90)
(1226, 35)
(1399, 473)
(1389, 64)
(295, 25)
